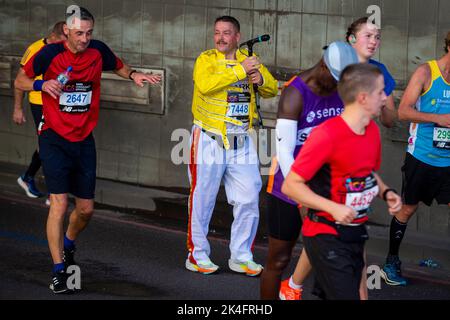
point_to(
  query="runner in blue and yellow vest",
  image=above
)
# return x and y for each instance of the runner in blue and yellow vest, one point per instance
(224, 111)
(26, 180)
(426, 171)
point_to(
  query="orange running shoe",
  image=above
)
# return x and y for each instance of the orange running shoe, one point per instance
(250, 267)
(288, 293)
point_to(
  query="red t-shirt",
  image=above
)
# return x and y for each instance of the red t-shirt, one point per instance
(75, 113)
(338, 164)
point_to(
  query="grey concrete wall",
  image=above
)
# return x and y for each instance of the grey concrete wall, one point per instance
(135, 147)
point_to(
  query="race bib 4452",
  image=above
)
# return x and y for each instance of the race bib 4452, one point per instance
(361, 192)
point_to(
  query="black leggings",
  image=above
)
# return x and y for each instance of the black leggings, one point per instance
(35, 164)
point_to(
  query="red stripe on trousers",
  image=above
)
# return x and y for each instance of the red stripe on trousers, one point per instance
(193, 171)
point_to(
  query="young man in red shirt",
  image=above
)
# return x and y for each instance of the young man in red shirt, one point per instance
(334, 176)
(66, 143)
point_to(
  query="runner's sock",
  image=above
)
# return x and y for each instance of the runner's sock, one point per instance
(68, 244)
(58, 267)
(293, 285)
(397, 232)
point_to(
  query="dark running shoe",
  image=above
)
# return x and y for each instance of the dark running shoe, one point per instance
(395, 261)
(59, 283)
(391, 272)
(28, 185)
(68, 257)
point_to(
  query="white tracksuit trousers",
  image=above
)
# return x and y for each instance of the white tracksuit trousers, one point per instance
(239, 169)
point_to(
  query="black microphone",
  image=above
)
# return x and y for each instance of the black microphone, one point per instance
(251, 42)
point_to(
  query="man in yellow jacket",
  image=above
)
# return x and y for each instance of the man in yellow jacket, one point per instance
(224, 110)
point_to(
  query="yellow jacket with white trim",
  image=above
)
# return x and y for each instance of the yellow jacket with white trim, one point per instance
(214, 77)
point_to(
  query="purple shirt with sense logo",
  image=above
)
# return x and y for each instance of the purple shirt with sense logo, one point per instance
(316, 109)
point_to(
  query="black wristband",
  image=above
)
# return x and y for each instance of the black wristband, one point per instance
(386, 191)
(129, 76)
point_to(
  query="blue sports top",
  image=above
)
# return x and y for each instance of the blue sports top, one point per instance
(428, 142)
(389, 82)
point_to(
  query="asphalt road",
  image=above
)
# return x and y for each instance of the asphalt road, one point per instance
(126, 256)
